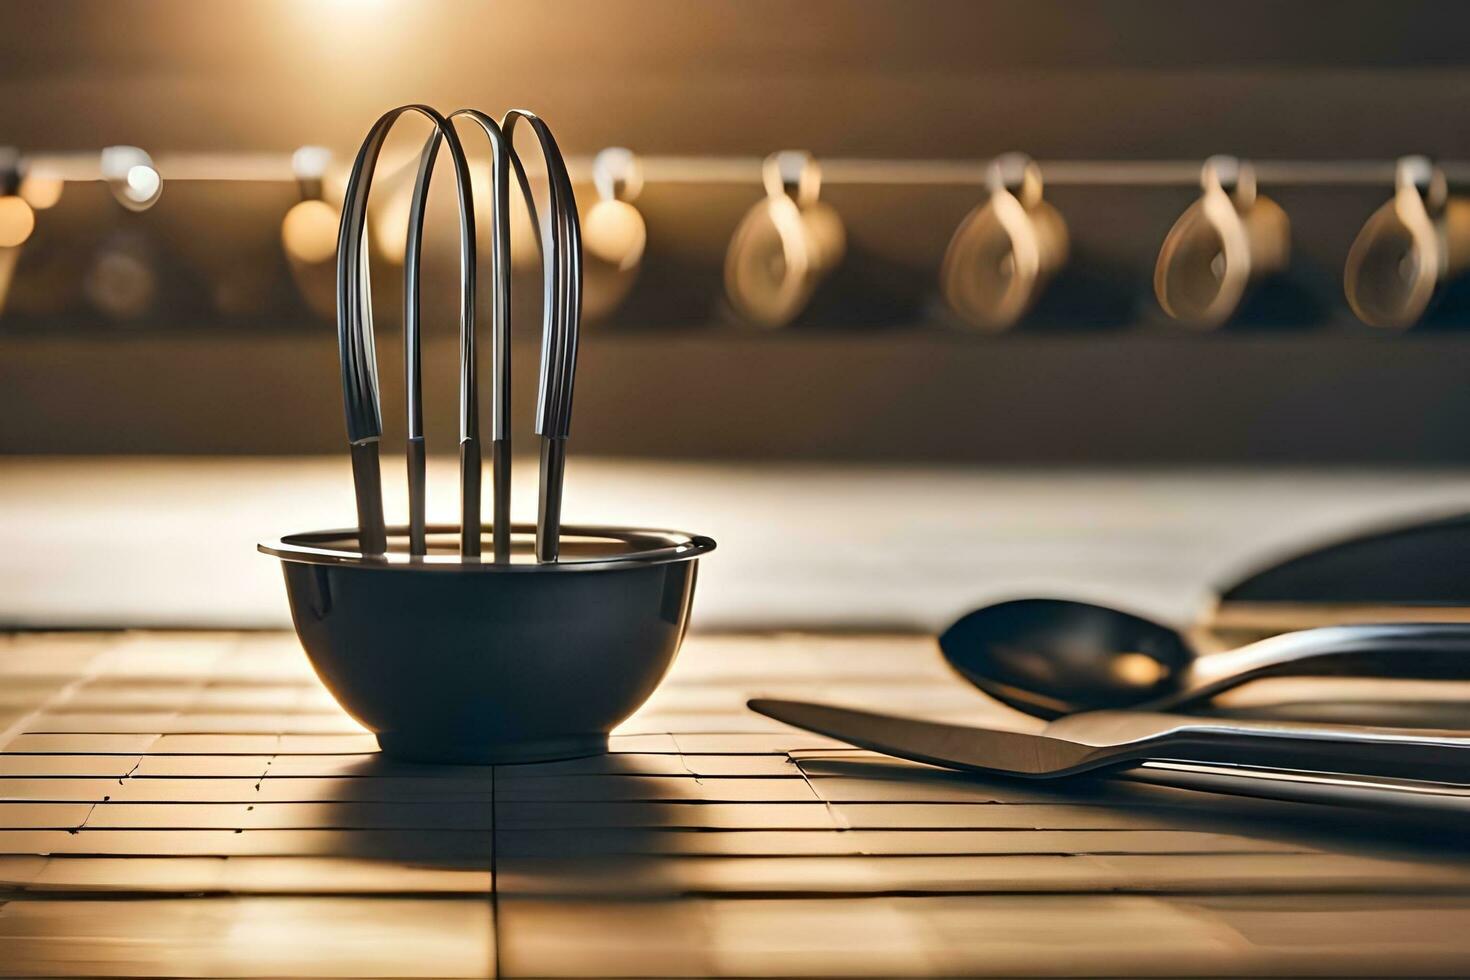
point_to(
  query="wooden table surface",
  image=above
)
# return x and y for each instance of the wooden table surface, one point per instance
(106, 542)
(195, 804)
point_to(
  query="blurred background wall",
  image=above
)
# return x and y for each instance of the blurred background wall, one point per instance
(197, 340)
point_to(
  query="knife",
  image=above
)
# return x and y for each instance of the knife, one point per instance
(1307, 761)
(1333, 789)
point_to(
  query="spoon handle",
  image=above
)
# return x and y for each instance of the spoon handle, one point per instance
(1407, 651)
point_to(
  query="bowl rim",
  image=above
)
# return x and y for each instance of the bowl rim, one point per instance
(653, 546)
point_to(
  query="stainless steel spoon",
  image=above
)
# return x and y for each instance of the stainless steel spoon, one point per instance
(1056, 657)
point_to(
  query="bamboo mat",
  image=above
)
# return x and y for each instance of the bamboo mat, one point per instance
(178, 804)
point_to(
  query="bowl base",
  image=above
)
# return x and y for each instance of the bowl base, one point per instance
(409, 748)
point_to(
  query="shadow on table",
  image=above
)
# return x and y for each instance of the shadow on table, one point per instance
(1100, 804)
(615, 807)
(669, 864)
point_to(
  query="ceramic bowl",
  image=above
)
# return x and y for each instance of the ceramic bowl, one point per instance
(451, 659)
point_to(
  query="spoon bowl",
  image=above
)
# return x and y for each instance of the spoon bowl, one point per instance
(1054, 657)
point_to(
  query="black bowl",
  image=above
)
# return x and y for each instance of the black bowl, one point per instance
(451, 659)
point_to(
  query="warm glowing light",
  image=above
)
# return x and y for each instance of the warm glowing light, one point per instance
(1138, 669)
(42, 192)
(309, 232)
(525, 243)
(614, 232)
(390, 224)
(17, 221)
(143, 182)
(310, 162)
(130, 173)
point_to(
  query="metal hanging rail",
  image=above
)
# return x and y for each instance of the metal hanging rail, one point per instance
(77, 167)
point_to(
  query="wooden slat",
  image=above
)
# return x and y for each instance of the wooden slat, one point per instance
(839, 876)
(238, 875)
(605, 842)
(457, 847)
(254, 936)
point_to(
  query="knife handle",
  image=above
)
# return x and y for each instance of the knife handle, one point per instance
(1299, 787)
(1386, 752)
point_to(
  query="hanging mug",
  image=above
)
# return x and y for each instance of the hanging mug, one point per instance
(785, 245)
(1227, 241)
(1408, 249)
(613, 232)
(1006, 250)
(309, 232)
(130, 174)
(17, 217)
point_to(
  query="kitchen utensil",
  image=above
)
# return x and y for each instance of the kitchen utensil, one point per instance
(784, 245)
(1414, 796)
(1228, 240)
(1407, 572)
(1056, 657)
(452, 659)
(359, 357)
(562, 310)
(1408, 249)
(1099, 740)
(1005, 251)
(1333, 789)
(470, 458)
(561, 240)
